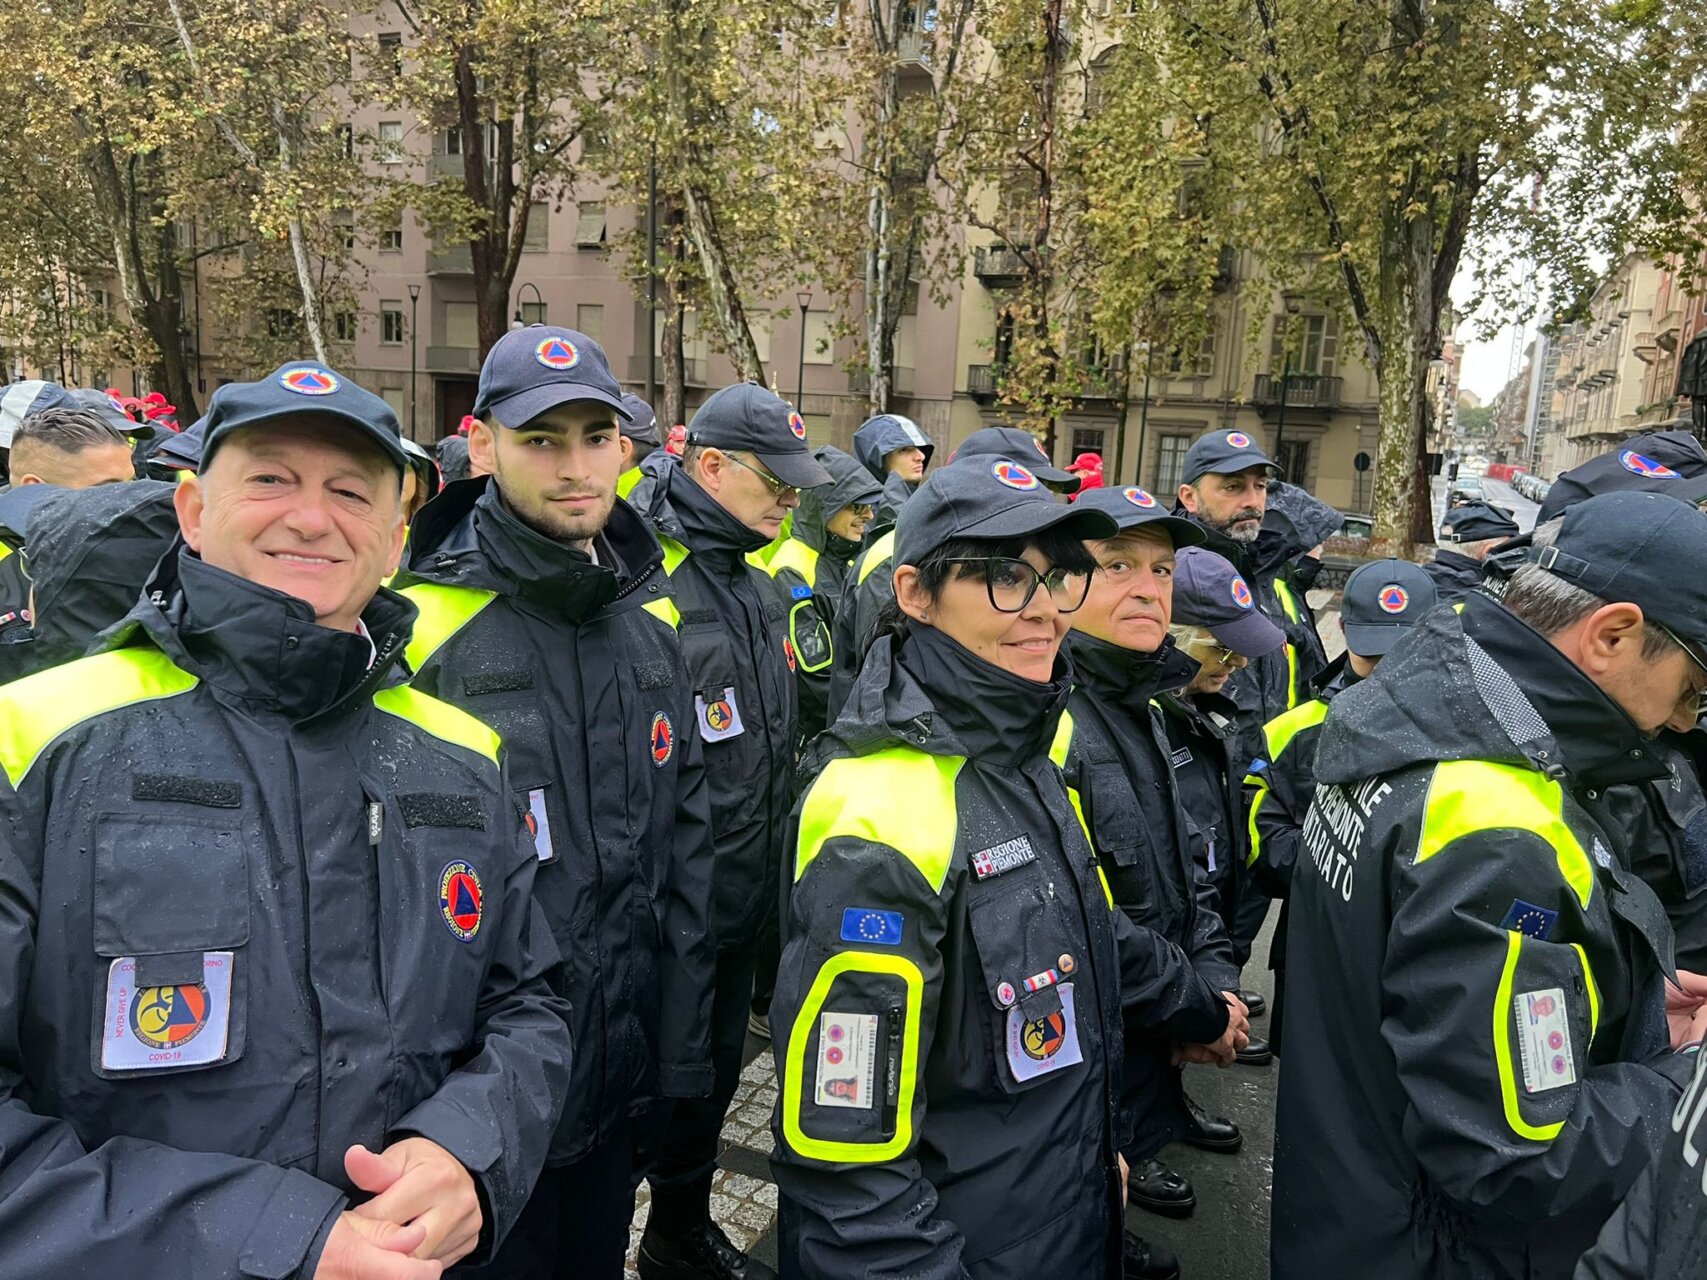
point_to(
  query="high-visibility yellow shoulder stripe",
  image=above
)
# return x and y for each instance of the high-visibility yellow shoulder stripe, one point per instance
(674, 554)
(440, 719)
(1062, 747)
(37, 709)
(627, 480)
(879, 552)
(1293, 692)
(1279, 732)
(1467, 796)
(1288, 601)
(794, 1076)
(443, 611)
(5, 551)
(1503, 1015)
(899, 797)
(666, 611)
(793, 554)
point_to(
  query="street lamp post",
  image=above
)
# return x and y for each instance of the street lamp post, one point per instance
(414, 346)
(538, 300)
(804, 298)
(1285, 379)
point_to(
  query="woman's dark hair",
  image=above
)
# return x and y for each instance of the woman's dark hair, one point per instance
(936, 567)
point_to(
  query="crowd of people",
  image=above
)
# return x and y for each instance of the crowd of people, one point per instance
(398, 850)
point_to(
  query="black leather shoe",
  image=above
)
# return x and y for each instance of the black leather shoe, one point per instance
(1209, 1132)
(706, 1254)
(1141, 1260)
(1253, 1001)
(1255, 1054)
(1154, 1186)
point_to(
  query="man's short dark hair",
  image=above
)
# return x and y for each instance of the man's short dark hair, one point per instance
(68, 430)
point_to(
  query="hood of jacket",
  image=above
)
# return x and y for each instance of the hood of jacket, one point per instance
(467, 537)
(1302, 520)
(928, 691)
(1480, 684)
(849, 483)
(884, 434)
(89, 552)
(261, 649)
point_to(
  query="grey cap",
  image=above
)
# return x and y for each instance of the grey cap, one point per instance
(1383, 599)
(1210, 592)
(988, 498)
(530, 371)
(748, 418)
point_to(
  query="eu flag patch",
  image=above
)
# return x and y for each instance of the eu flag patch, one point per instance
(1528, 919)
(872, 927)
(802, 592)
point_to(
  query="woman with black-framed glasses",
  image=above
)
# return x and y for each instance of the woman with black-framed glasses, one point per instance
(947, 1023)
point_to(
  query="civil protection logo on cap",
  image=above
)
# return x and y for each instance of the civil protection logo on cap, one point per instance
(309, 382)
(557, 353)
(1635, 463)
(1238, 439)
(1393, 598)
(1241, 593)
(1013, 475)
(797, 424)
(1138, 498)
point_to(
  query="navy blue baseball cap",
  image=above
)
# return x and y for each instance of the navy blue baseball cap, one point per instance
(641, 422)
(1383, 599)
(988, 498)
(1660, 462)
(1226, 453)
(532, 370)
(1640, 548)
(1477, 522)
(1135, 508)
(103, 404)
(19, 400)
(302, 389)
(1017, 445)
(748, 418)
(181, 450)
(1210, 592)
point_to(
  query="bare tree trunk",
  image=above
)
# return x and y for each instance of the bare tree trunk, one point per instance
(675, 367)
(722, 288)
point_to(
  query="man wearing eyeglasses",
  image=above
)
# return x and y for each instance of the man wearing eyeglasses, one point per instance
(743, 466)
(1478, 1060)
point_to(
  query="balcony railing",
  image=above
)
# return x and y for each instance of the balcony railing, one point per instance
(997, 264)
(452, 260)
(1303, 391)
(981, 381)
(693, 370)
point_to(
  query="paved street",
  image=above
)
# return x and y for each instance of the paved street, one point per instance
(1497, 492)
(1225, 1239)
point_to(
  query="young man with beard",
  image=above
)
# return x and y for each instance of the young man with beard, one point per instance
(545, 612)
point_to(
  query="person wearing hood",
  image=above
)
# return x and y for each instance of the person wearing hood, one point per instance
(948, 1011)
(1472, 531)
(21, 400)
(287, 1016)
(1113, 748)
(1217, 623)
(745, 464)
(871, 586)
(545, 611)
(88, 553)
(896, 453)
(811, 569)
(454, 462)
(1478, 1061)
(1383, 600)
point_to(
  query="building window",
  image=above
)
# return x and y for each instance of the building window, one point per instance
(532, 312)
(281, 322)
(391, 323)
(590, 225)
(101, 305)
(1294, 462)
(390, 53)
(590, 320)
(391, 239)
(1170, 463)
(345, 326)
(391, 142)
(453, 141)
(820, 340)
(462, 324)
(346, 222)
(538, 237)
(347, 139)
(1317, 350)
(1088, 440)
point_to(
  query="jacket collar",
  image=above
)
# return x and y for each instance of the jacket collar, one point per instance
(468, 537)
(687, 513)
(261, 649)
(1127, 678)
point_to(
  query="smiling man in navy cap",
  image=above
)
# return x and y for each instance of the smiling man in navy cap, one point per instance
(745, 462)
(296, 967)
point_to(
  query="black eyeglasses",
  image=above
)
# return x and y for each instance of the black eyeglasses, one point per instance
(1698, 697)
(777, 487)
(1012, 583)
